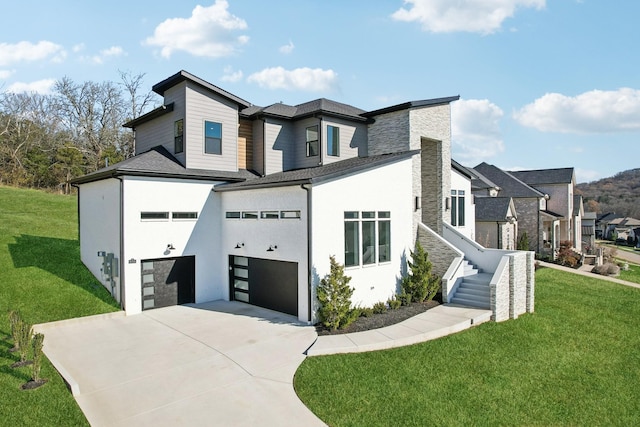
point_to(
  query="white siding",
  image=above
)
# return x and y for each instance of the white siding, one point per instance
(353, 140)
(460, 182)
(149, 239)
(279, 146)
(387, 188)
(100, 226)
(203, 106)
(290, 235)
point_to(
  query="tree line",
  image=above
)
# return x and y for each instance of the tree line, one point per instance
(619, 193)
(46, 140)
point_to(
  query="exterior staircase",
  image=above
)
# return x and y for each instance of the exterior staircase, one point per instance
(474, 289)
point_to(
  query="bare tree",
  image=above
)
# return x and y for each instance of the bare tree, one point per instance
(138, 102)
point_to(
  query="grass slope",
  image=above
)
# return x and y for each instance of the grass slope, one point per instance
(575, 361)
(41, 276)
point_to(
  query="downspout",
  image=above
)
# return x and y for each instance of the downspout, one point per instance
(121, 243)
(309, 246)
(77, 187)
(498, 234)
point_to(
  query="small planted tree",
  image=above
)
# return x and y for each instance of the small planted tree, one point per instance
(421, 284)
(23, 338)
(14, 320)
(334, 295)
(523, 242)
(37, 343)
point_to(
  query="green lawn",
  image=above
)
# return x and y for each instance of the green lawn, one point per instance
(42, 277)
(575, 361)
(631, 275)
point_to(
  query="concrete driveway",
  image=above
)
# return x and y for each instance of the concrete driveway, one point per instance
(218, 363)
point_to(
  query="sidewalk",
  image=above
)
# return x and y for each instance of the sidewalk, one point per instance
(435, 323)
(585, 271)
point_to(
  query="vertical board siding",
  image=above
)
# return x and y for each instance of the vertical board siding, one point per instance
(258, 146)
(245, 144)
(204, 105)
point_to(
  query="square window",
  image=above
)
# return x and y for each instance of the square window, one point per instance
(212, 137)
(333, 141)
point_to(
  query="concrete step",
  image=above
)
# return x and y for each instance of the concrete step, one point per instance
(471, 302)
(476, 291)
(480, 279)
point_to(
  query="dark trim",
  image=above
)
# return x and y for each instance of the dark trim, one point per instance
(117, 173)
(309, 252)
(412, 104)
(153, 114)
(121, 236)
(182, 76)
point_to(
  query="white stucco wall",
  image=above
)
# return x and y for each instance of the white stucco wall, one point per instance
(99, 204)
(387, 188)
(149, 239)
(256, 235)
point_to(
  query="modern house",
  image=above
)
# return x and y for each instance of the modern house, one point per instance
(228, 200)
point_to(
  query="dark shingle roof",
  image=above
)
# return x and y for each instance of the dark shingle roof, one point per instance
(545, 176)
(300, 111)
(158, 162)
(461, 169)
(155, 113)
(182, 75)
(492, 208)
(412, 104)
(510, 186)
(318, 174)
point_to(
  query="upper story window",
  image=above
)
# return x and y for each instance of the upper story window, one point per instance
(312, 141)
(178, 136)
(457, 208)
(212, 137)
(333, 140)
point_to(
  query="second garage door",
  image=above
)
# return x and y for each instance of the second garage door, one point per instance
(265, 283)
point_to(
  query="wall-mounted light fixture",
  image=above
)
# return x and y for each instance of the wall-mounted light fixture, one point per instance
(272, 248)
(102, 253)
(416, 203)
(447, 203)
(239, 245)
(170, 247)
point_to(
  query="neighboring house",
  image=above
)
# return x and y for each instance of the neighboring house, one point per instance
(588, 232)
(602, 222)
(227, 200)
(622, 229)
(496, 222)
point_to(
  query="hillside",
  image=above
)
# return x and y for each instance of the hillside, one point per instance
(619, 193)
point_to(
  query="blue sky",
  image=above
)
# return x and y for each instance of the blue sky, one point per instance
(543, 83)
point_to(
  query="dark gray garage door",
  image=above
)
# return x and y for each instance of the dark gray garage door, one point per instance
(265, 283)
(168, 281)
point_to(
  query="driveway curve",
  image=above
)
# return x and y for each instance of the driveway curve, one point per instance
(217, 363)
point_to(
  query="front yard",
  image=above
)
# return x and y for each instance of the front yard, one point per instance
(575, 361)
(43, 278)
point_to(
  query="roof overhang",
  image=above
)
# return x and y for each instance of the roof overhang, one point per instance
(153, 114)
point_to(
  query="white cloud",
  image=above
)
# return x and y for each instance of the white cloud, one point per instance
(475, 130)
(287, 48)
(42, 87)
(444, 16)
(307, 79)
(5, 74)
(232, 76)
(209, 32)
(78, 47)
(105, 54)
(28, 52)
(587, 175)
(596, 111)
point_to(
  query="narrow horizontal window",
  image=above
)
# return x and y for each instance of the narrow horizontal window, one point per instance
(351, 215)
(269, 214)
(158, 216)
(290, 214)
(368, 214)
(384, 214)
(250, 215)
(184, 215)
(232, 215)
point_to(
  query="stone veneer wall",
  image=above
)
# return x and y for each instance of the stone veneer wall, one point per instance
(531, 281)
(512, 288)
(517, 284)
(499, 291)
(441, 253)
(528, 221)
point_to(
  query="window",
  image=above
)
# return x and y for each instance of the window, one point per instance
(290, 214)
(457, 208)
(367, 238)
(312, 141)
(212, 137)
(250, 215)
(154, 216)
(178, 136)
(232, 215)
(184, 215)
(333, 141)
(269, 214)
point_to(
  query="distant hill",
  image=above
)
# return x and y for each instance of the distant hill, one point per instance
(619, 193)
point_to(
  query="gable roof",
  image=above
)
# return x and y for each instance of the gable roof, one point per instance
(463, 170)
(319, 174)
(510, 186)
(493, 208)
(182, 76)
(545, 176)
(307, 109)
(158, 162)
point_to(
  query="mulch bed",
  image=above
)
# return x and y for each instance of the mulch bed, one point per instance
(31, 384)
(375, 321)
(21, 364)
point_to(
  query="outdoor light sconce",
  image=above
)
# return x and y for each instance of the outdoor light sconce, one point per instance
(272, 248)
(447, 203)
(170, 247)
(417, 203)
(239, 245)
(102, 253)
